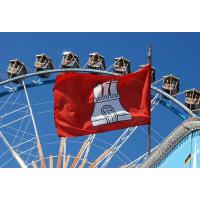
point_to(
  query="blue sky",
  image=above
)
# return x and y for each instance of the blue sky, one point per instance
(176, 53)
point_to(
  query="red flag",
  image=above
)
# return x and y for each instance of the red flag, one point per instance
(87, 103)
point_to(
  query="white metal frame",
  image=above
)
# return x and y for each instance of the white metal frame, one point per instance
(120, 141)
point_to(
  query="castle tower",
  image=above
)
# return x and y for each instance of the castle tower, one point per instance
(107, 108)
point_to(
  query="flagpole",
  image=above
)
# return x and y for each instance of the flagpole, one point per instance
(149, 126)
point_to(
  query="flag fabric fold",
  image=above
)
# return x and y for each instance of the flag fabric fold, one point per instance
(89, 104)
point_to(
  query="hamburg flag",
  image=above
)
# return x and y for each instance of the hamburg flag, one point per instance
(89, 104)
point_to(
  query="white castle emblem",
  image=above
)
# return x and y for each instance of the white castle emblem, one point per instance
(107, 107)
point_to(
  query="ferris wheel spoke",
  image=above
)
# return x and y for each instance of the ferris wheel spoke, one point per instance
(122, 160)
(123, 155)
(6, 152)
(15, 154)
(110, 144)
(27, 152)
(116, 146)
(88, 146)
(42, 103)
(100, 158)
(66, 163)
(155, 140)
(18, 131)
(84, 151)
(19, 119)
(31, 111)
(11, 103)
(44, 112)
(15, 148)
(22, 131)
(64, 151)
(41, 155)
(6, 101)
(34, 164)
(43, 164)
(60, 154)
(11, 134)
(157, 133)
(141, 158)
(80, 153)
(23, 134)
(30, 153)
(142, 129)
(9, 161)
(84, 162)
(25, 142)
(14, 111)
(51, 161)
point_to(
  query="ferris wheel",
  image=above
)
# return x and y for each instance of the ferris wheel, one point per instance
(27, 134)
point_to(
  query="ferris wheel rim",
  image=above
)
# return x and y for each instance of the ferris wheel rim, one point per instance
(57, 70)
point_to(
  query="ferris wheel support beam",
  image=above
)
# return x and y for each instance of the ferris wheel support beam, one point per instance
(67, 159)
(35, 128)
(64, 150)
(80, 153)
(14, 153)
(87, 149)
(60, 154)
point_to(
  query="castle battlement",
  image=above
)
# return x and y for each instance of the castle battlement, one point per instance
(106, 98)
